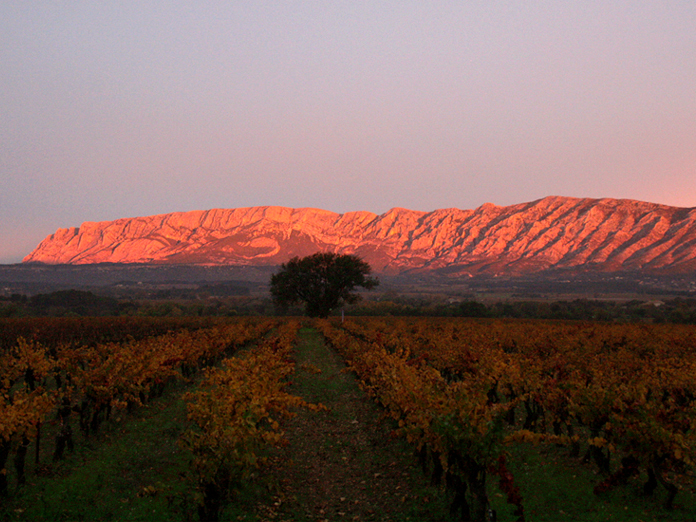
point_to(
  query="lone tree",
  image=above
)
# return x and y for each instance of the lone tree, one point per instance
(323, 281)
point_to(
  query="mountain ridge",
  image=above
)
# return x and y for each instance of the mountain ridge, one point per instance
(551, 233)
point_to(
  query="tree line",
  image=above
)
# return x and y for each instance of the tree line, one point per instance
(325, 284)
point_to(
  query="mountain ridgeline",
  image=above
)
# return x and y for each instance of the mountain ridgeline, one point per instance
(587, 235)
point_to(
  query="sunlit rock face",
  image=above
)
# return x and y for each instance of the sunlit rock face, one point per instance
(554, 232)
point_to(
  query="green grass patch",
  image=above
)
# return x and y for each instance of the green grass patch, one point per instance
(556, 487)
(130, 470)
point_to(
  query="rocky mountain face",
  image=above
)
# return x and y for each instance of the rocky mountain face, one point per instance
(605, 235)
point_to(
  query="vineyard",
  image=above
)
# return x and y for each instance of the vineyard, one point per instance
(473, 399)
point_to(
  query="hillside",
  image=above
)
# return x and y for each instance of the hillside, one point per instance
(603, 235)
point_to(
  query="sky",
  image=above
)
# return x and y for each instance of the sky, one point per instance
(113, 109)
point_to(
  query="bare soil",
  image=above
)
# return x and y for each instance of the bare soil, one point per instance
(345, 463)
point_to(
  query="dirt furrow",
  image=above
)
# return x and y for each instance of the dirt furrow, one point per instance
(346, 463)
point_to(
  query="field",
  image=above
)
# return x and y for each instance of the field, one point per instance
(371, 419)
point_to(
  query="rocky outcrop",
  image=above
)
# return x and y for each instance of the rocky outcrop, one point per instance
(551, 233)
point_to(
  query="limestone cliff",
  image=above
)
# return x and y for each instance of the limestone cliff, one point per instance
(554, 232)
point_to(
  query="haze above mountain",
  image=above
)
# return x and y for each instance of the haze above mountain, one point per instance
(604, 235)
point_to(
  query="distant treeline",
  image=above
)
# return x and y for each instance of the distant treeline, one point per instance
(80, 303)
(61, 303)
(677, 310)
(66, 303)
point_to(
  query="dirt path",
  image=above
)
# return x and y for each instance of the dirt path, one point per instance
(345, 464)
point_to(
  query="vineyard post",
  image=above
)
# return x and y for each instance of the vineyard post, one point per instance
(4, 454)
(38, 443)
(20, 458)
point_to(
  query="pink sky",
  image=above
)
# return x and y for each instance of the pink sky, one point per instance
(120, 109)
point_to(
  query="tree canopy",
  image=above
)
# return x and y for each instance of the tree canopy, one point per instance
(323, 281)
